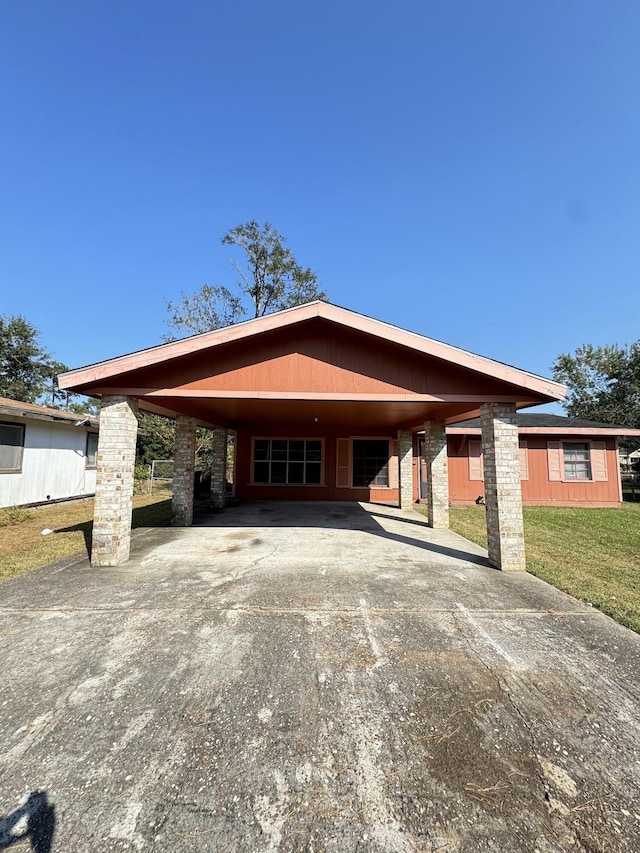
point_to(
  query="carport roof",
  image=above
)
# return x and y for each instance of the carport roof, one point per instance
(125, 373)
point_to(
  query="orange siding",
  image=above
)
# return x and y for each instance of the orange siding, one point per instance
(314, 358)
(538, 489)
(329, 491)
(462, 489)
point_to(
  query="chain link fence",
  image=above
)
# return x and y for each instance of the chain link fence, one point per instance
(161, 476)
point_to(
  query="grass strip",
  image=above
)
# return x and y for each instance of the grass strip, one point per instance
(593, 554)
(23, 545)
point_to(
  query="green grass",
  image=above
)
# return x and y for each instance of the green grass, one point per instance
(12, 515)
(23, 545)
(593, 554)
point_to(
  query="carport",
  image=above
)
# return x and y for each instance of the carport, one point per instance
(324, 404)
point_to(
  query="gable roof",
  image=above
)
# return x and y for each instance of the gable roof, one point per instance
(104, 371)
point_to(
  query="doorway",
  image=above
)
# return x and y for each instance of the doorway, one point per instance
(422, 470)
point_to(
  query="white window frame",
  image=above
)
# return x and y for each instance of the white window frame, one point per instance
(598, 464)
(89, 464)
(565, 477)
(22, 429)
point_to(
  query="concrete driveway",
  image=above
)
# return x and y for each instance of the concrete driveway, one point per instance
(312, 677)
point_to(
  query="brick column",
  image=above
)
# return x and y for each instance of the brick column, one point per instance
(502, 491)
(405, 465)
(114, 480)
(184, 464)
(435, 456)
(218, 467)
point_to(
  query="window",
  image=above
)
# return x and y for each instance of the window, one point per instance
(283, 461)
(11, 446)
(577, 460)
(92, 450)
(370, 462)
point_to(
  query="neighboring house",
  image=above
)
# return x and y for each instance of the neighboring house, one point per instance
(563, 461)
(45, 454)
(625, 463)
(633, 459)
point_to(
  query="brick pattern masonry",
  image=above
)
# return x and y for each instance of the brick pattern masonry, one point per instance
(218, 467)
(114, 483)
(503, 495)
(435, 456)
(185, 457)
(405, 474)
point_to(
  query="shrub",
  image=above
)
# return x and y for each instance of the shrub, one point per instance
(15, 515)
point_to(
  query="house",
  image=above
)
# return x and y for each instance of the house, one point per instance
(634, 459)
(324, 404)
(625, 462)
(562, 461)
(45, 454)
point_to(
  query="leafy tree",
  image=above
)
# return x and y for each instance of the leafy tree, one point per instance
(603, 382)
(211, 307)
(29, 374)
(53, 396)
(25, 367)
(84, 406)
(155, 438)
(270, 279)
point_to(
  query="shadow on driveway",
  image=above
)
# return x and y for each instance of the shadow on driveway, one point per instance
(401, 526)
(33, 821)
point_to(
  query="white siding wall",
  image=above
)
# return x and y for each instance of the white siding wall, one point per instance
(53, 464)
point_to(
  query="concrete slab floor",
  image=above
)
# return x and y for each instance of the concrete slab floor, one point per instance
(312, 677)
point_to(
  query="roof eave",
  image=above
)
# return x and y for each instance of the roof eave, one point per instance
(62, 418)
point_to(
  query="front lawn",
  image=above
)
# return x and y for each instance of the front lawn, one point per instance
(23, 545)
(593, 554)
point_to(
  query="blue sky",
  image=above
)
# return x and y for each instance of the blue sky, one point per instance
(467, 170)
